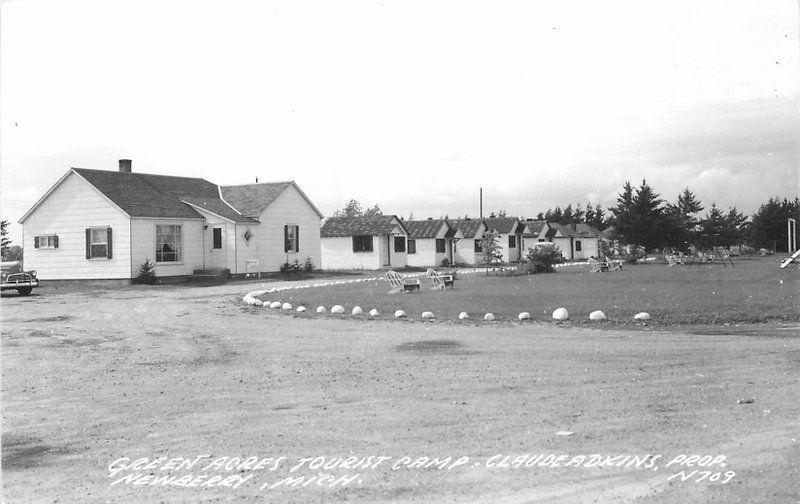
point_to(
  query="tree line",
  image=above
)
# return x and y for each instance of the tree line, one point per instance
(642, 218)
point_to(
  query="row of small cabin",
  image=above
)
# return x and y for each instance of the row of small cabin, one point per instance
(98, 224)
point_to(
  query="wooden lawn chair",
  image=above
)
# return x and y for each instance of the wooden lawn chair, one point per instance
(612, 265)
(440, 280)
(596, 266)
(401, 284)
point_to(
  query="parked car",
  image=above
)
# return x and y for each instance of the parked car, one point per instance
(13, 277)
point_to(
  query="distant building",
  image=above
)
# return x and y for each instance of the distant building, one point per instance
(467, 250)
(363, 243)
(510, 231)
(431, 241)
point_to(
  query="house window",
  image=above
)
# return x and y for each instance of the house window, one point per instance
(399, 243)
(217, 238)
(291, 238)
(168, 243)
(362, 243)
(412, 246)
(440, 245)
(478, 246)
(98, 243)
(577, 245)
(512, 241)
(45, 242)
(541, 240)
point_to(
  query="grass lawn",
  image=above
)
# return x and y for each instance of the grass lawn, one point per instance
(755, 290)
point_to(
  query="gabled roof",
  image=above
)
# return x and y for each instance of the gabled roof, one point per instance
(573, 231)
(218, 207)
(468, 227)
(146, 195)
(252, 199)
(503, 225)
(534, 228)
(361, 226)
(425, 229)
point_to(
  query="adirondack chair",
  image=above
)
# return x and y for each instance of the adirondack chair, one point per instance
(596, 266)
(401, 284)
(440, 280)
(615, 264)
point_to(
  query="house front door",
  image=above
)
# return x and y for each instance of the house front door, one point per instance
(217, 252)
(387, 255)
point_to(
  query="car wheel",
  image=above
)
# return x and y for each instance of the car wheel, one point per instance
(24, 291)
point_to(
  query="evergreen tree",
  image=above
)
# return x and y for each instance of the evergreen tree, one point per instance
(5, 241)
(490, 249)
(638, 216)
(540, 216)
(768, 224)
(712, 227)
(734, 227)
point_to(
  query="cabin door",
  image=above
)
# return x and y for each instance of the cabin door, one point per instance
(217, 252)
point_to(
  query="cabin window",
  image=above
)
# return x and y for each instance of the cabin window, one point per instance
(362, 243)
(98, 243)
(577, 245)
(412, 246)
(168, 243)
(216, 238)
(440, 245)
(399, 243)
(45, 242)
(512, 241)
(291, 238)
(478, 246)
(541, 240)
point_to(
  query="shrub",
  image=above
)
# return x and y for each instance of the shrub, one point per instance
(634, 256)
(293, 267)
(542, 257)
(308, 266)
(446, 263)
(147, 273)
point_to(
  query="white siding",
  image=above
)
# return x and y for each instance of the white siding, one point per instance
(426, 251)
(288, 208)
(143, 232)
(71, 208)
(337, 253)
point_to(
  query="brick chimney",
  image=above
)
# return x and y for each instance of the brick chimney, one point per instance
(125, 165)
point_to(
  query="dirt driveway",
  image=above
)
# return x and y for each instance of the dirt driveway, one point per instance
(95, 381)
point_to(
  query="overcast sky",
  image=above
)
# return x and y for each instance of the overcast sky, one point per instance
(409, 104)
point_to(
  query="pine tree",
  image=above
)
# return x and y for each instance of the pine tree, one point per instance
(490, 249)
(5, 241)
(147, 273)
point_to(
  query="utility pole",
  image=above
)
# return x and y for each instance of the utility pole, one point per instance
(481, 199)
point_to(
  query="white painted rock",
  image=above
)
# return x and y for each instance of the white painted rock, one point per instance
(463, 316)
(286, 306)
(642, 316)
(597, 315)
(373, 313)
(426, 315)
(399, 314)
(357, 310)
(337, 309)
(561, 314)
(321, 309)
(489, 317)
(301, 309)
(275, 304)
(257, 302)
(524, 316)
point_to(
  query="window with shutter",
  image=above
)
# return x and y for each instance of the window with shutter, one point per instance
(45, 242)
(440, 245)
(291, 241)
(97, 243)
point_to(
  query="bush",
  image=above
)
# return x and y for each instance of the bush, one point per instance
(292, 267)
(446, 263)
(308, 266)
(635, 256)
(542, 257)
(147, 273)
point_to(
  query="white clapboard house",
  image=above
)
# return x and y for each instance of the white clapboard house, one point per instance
(97, 224)
(430, 242)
